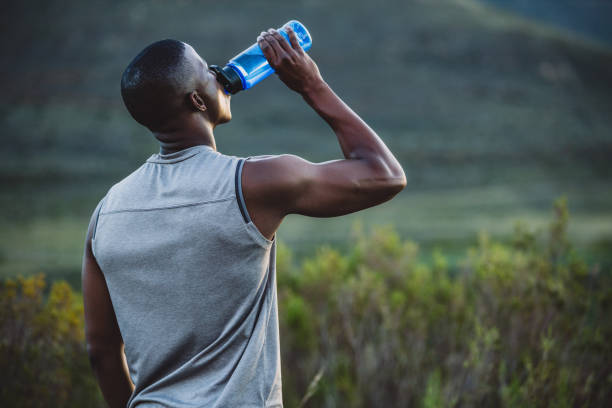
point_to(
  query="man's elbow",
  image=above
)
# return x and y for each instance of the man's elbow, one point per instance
(393, 179)
(389, 174)
(397, 183)
(381, 187)
(392, 185)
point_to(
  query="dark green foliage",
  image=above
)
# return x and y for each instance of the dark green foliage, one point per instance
(517, 325)
(43, 362)
(524, 324)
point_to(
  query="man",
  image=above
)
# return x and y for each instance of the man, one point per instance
(179, 262)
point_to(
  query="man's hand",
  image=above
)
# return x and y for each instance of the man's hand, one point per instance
(294, 67)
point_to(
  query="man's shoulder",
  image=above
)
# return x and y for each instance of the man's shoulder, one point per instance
(124, 185)
(127, 179)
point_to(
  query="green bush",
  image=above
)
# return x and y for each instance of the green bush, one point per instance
(520, 324)
(42, 349)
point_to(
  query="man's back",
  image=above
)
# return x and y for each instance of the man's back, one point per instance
(192, 282)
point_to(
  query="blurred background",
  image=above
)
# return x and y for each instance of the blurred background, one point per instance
(495, 109)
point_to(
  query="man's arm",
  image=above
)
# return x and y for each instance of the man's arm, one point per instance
(104, 342)
(276, 186)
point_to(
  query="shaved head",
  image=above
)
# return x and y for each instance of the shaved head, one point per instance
(155, 86)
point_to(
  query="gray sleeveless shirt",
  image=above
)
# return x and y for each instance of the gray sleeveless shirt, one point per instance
(192, 282)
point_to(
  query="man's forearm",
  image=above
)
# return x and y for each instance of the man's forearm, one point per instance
(111, 371)
(357, 140)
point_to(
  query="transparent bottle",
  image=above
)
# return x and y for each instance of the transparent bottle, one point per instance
(250, 66)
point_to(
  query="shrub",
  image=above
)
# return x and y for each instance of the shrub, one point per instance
(524, 324)
(42, 351)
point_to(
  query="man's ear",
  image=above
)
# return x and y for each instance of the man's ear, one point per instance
(197, 102)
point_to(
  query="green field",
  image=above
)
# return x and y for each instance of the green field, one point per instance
(493, 117)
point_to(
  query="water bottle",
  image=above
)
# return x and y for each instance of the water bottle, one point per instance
(250, 66)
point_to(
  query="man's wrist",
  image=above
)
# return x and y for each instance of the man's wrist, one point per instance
(314, 89)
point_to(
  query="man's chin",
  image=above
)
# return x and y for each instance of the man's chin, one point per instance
(226, 119)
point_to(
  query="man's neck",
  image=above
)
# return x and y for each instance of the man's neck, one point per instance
(172, 147)
(179, 139)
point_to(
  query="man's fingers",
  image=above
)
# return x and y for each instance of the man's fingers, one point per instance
(282, 42)
(267, 49)
(294, 40)
(280, 52)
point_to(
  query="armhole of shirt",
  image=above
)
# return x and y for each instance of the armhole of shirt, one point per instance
(238, 188)
(95, 227)
(250, 226)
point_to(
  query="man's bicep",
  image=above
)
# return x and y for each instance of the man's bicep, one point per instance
(338, 187)
(294, 185)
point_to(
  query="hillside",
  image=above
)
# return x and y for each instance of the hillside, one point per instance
(492, 117)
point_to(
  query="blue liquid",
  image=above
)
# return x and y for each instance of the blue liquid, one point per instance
(252, 66)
